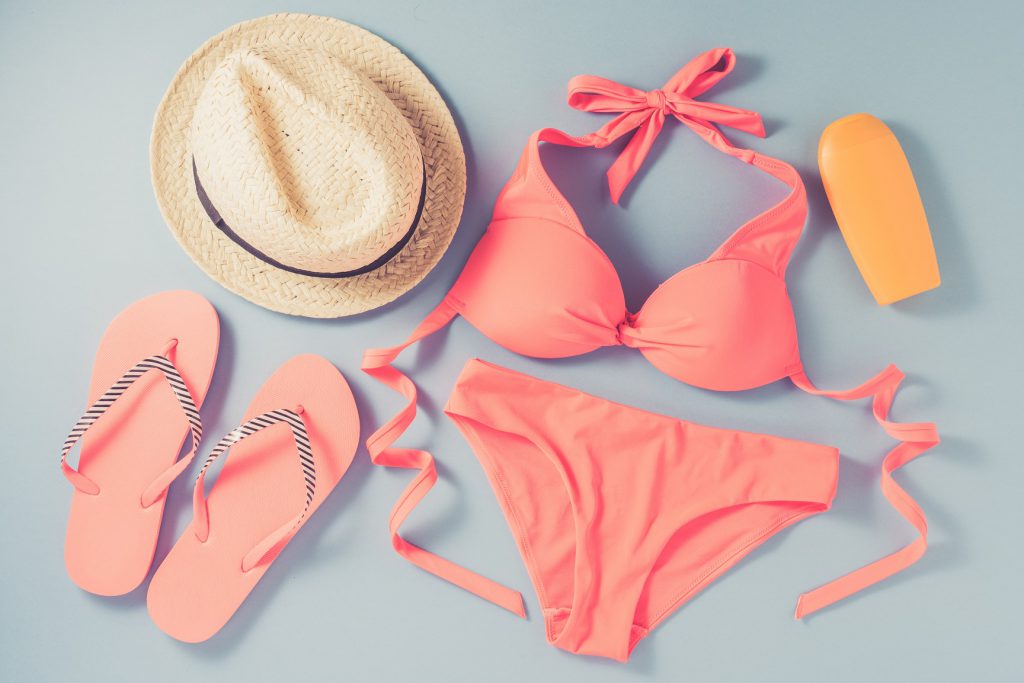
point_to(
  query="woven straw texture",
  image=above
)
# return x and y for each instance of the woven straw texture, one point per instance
(312, 138)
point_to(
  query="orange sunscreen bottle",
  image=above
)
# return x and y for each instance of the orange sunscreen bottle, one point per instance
(875, 200)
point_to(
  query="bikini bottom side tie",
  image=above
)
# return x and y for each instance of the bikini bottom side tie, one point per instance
(622, 515)
(915, 438)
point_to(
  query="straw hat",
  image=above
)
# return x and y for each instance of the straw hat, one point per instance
(307, 165)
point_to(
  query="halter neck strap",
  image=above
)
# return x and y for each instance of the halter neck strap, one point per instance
(645, 112)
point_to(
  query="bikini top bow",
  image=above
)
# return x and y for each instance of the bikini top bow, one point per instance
(645, 112)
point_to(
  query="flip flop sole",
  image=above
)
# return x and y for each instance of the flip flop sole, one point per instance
(111, 537)
(200, 585)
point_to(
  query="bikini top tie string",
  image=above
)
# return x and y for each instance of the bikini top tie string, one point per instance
(645, 113)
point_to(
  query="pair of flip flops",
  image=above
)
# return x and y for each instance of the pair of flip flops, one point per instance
(152, 372)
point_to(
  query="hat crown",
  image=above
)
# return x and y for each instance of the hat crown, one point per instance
(304, 159)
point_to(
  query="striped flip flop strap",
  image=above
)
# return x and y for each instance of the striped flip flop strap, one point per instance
(293, 418)
(100, 406)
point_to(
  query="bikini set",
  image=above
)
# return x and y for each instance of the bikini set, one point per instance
(620, 515)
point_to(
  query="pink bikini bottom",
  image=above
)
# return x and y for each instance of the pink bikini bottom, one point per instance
(622, 515)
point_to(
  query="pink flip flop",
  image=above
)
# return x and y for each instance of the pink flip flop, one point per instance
(297, 440)
(151, 374)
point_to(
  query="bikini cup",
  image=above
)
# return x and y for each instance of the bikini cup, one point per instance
(539, 286)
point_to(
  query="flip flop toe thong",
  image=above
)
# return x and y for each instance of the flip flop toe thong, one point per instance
(297, 440)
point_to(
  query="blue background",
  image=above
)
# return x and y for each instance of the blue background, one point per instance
(83, 239)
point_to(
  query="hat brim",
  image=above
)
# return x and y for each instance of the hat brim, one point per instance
(245, 274)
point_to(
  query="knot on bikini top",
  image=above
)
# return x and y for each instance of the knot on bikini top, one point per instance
(656, 99)
(625, 332)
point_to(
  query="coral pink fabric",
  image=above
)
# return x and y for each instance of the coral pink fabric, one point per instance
(622, 515)
(539, 286)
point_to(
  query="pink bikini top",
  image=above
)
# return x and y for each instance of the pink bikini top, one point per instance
(539, 286)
